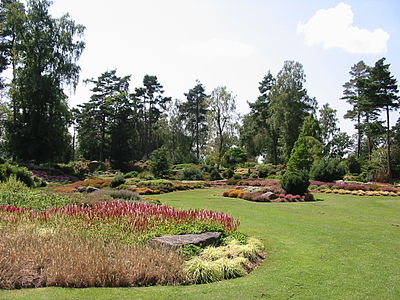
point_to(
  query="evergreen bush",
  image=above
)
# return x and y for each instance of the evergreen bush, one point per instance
(117, 181)
(328, 170)
(295, 182)
(192, 173)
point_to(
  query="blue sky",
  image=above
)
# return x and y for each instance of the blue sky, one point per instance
(235, 42)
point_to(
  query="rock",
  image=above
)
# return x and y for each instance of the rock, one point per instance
(270, 196)
(86, 189)
(177, 241)
(91, 189)
(81, 189)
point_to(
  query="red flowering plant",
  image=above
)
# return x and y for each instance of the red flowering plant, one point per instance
(138, 221)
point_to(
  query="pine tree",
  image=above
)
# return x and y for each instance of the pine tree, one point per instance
(382, 92)
(193, 113)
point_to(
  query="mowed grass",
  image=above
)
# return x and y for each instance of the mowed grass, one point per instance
(342, 247)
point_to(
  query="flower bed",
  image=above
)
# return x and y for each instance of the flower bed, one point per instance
(259, 196)
(259, 182)
(142, 187)
(370, 189)
(360, 192)
(137, 221)
(53, 178)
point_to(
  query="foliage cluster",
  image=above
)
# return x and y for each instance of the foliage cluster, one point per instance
(14, 192)
(192, 173)
(20, 173)
(230, 261)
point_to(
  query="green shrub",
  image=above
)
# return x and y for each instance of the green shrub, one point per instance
(16, 193)
(228, 173)
(249, 164)
(190, 250)
(295, 182)
(238, 236)
(131, 174)
(265, 170)
(353, 164)
(234, 156)
(146, 175)
(237, 176)
(301, 157)
(159, 163)
(117, 181)
(328, 170)
(192, 173)
(21, 173)
(214, 174)
(180, 167)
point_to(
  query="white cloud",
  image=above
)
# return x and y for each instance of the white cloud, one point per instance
(333, 28)
(217, 47)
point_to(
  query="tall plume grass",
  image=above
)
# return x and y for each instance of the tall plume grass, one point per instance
(29, 258)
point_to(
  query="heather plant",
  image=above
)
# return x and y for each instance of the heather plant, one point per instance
(157, 184)
(119, 194)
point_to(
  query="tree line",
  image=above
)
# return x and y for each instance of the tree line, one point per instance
(122, 124)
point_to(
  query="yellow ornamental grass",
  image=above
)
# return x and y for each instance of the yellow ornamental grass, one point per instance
(199, 270)
(230, 261)
(231, 268)
(214, 253)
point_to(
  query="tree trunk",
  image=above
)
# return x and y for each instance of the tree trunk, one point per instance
(369, 146)
(358, 135)
(102, 143)
(197, 130)
(389, 163)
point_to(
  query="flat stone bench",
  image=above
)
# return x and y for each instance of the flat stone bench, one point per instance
(177, 241)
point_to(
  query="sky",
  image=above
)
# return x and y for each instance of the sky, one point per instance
(234, 43)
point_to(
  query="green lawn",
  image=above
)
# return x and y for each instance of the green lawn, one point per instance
(344, 247)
